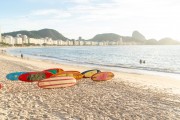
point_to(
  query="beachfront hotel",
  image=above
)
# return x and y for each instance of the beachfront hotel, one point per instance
(0, 36)
(24, 40)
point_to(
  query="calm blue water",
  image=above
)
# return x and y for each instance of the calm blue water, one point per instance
(158, 58)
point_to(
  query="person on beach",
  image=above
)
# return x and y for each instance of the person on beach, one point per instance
(140, 61)
(22, 56)
(144, 61)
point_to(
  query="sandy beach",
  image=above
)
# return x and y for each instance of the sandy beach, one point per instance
(128, 96)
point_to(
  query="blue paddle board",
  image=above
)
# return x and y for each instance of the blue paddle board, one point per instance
(14, 76)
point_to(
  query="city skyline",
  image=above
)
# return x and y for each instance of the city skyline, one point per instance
(73, 18)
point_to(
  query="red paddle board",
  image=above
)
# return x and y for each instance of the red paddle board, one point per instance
(34, 76)
(57, 82)
(1, 86)
(101, 76)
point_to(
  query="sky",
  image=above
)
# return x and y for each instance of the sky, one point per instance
(86, 18)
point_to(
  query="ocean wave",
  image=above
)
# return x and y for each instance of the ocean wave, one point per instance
(95, 63)
(108, 58)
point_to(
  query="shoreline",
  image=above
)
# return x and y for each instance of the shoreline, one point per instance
(173, 75)
(166, 83)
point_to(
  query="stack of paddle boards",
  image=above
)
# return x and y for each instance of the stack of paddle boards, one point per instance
(58, 78)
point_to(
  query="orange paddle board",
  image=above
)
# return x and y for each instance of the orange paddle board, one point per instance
(67, 72)
(54, 70)
(57, 82)
(76, 74)
(101, 76)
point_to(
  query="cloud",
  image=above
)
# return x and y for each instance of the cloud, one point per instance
(61, 1)
(154, 18)
(55, 13)
(79, 1)
(45, 12)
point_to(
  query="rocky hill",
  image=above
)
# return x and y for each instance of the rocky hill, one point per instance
(55, 35)
(136, 37)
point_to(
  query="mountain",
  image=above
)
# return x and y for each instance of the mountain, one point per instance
(168, 41)
(137, 36)
(106, 37)
(111, 37)
(151, 42)
(55, 35)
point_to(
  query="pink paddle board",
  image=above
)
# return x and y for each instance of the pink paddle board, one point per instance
(101, 76)
(57, 82)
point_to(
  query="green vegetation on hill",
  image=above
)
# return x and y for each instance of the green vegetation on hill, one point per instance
(151, 42)
(111, 37)
(168, 41)
(136, 37)
(55, 35)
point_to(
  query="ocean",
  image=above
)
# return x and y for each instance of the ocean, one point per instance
(158, 59)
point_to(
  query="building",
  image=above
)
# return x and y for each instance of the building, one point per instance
(94, 43)
(48, 41)
(18, 40)
(24, 39)
(0, 36)
(120, 41)
(81, 43)
(55, 42)
(88, 43)
(9, 40)
(100, 43)
(76, 42)
(60, 42)
(80, 38)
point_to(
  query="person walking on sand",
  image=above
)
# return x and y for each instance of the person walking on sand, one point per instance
(21, 55)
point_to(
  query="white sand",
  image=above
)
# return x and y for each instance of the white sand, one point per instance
(154, 81)
(127, 96)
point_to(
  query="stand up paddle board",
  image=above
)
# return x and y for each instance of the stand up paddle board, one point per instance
(71, 72)
(54, 70)
(34, 76)
(101, 76)
(76, 74)
(1, 86)
(14, 76)
(57, 82)
(89, 73)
